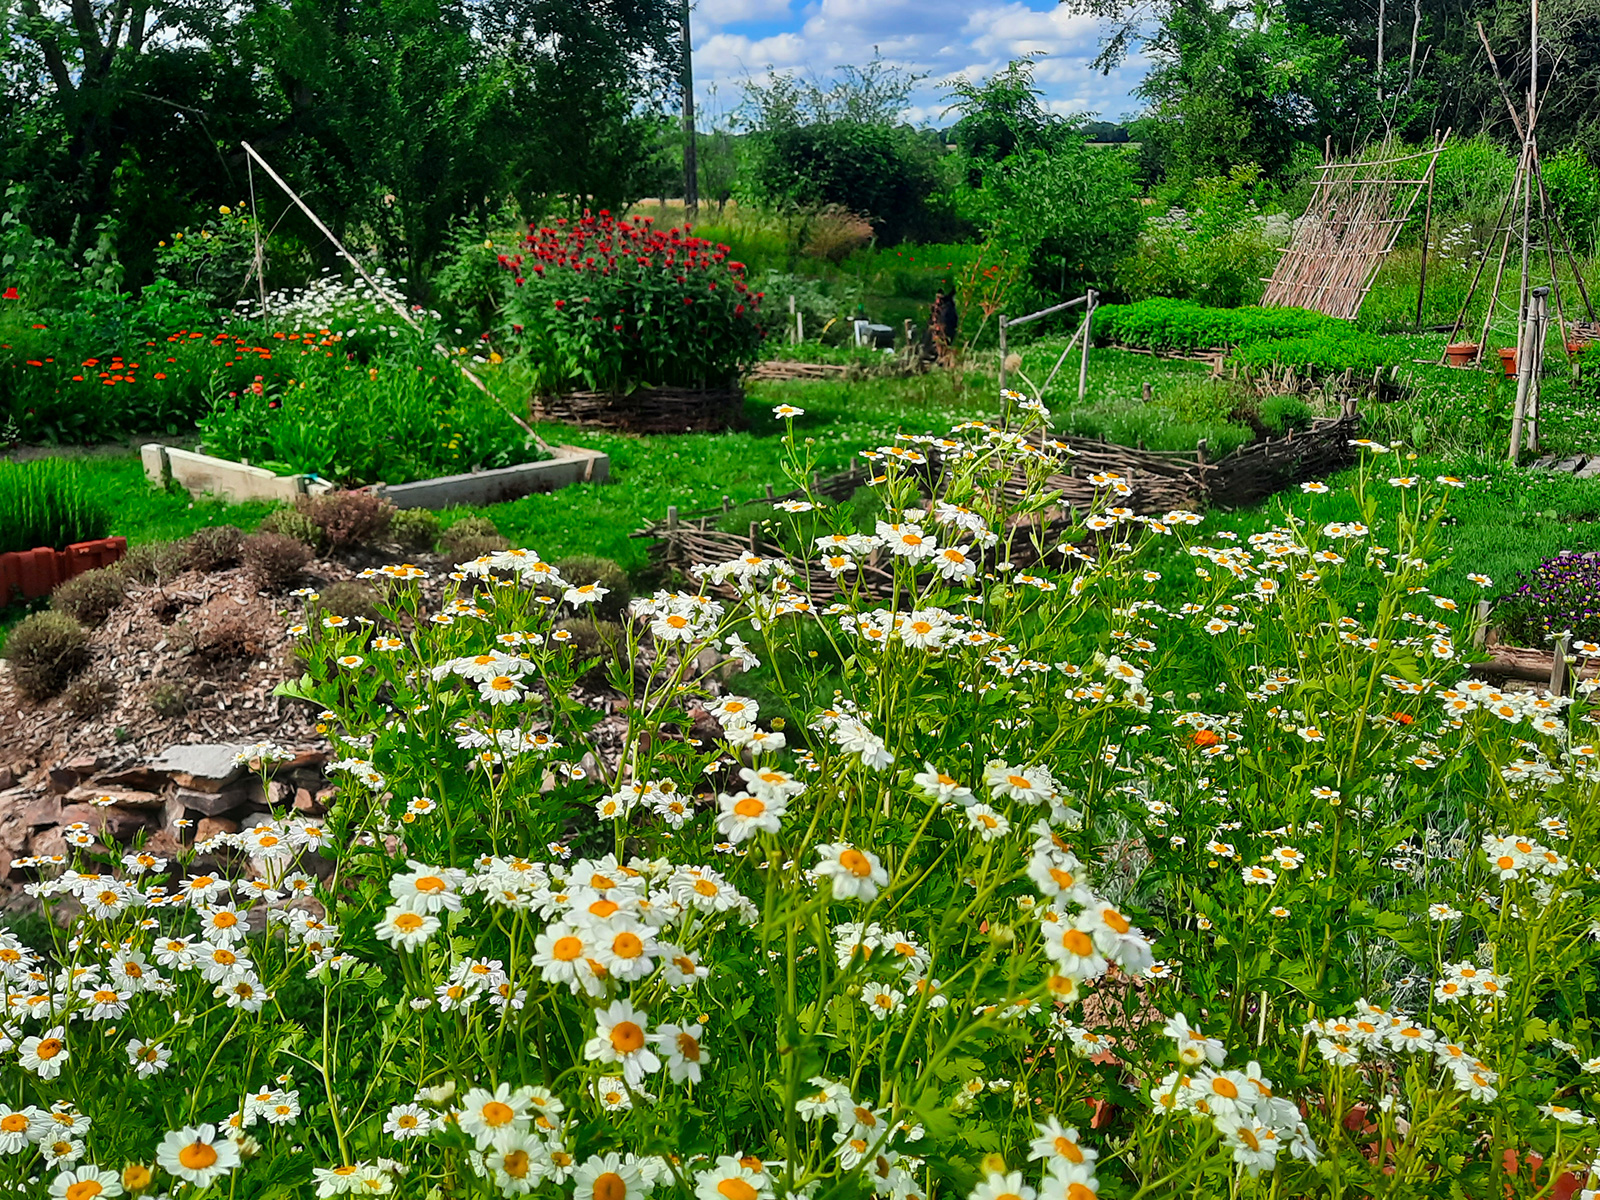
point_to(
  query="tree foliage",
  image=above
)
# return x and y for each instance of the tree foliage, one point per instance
(123, 118)
(843, 144)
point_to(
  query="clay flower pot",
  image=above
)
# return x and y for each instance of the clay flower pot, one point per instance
(1508, 361)
(1461, 353)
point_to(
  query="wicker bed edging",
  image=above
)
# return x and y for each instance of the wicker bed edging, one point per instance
(1160, 481)
(646, 410)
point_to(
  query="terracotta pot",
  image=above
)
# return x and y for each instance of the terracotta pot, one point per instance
(1461, 353)
(1508, 361)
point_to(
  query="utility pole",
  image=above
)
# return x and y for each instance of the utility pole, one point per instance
(691, 171)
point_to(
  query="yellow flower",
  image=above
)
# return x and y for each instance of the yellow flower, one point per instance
(137, 1176)
(224, 210)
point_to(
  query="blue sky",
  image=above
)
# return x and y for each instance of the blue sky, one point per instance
(737, 39)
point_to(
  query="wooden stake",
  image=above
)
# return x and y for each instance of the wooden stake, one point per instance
(1083, 365)
(1427, 219)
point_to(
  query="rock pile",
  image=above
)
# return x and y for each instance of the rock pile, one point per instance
(187, 793)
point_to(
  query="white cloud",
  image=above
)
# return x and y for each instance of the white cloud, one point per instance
(935, 38)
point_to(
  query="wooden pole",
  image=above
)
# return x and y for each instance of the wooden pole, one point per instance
(1540, 321)
(1005, 408)
(255, 219)
(1427, 225)
(1083, 363)
(691, 168)
(1524, 380)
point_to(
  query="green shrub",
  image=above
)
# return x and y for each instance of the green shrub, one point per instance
(347, 519)
(292, 523)
(415, 530)
(90, 696)
(1280, 414)
(352, 599)
(169, 700)
(153, 562)
(47, 651)
(588, 568)
(213, 548)
(471, 537)
(91, 597)
(44, 503)
(593, 638)
(275, 560)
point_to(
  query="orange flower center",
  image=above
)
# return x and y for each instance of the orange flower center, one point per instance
(566, 949)
(626, 1037)
(197, 1156)
(856, 863)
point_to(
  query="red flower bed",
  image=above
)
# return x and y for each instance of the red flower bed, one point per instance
(611, 305)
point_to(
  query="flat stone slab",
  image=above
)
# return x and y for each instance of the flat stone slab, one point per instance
(570, 464)
(206, 768)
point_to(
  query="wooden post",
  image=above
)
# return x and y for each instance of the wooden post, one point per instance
(755, 538)
(769, 491)
(799, 326)
(1145, 392)
(1524, 378)
(1002, 352)
(1427, 224)
(1541, 322)
(793, 328)
(1480, 625)
(1088, 323)
(1558, 668)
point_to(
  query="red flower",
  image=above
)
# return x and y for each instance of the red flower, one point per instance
(561, 303)
(11, 294)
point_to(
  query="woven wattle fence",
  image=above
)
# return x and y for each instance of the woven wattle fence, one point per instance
(647, 410)
(1161, 481)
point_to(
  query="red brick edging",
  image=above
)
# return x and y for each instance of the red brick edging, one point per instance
(34, 573)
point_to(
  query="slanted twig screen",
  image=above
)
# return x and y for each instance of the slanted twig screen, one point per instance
(1356, 212)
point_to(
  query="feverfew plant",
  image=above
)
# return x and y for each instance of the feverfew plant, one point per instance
(1172, 864)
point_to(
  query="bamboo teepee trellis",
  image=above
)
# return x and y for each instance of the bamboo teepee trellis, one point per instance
(1518, 219)
(1357, 210)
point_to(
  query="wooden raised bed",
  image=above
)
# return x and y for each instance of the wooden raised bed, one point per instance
(201, 474)
(1549, 667)
(30, 574)
(1160, 481)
